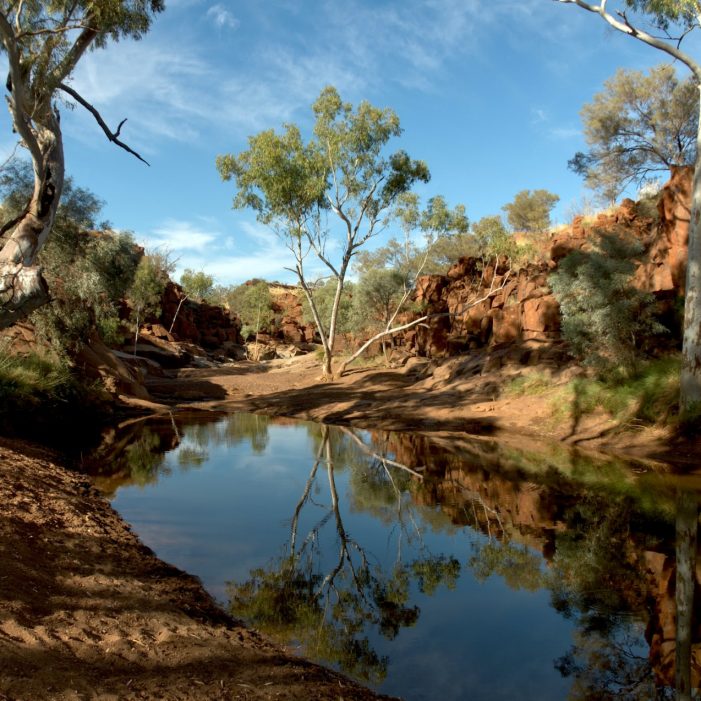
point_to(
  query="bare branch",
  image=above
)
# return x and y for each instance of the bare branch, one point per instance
(112, 136)
(626, 27)
(17, 100)
(426, 317)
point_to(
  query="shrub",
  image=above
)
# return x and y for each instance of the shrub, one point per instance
(604, 317)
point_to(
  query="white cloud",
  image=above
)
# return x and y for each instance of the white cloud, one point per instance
(180, 236)
(538, 115)
(222, 17)
(565, 132)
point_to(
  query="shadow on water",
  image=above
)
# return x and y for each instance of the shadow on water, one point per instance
(612, 544)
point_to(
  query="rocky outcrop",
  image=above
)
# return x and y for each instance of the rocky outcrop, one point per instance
(474, 308)
(197, 322)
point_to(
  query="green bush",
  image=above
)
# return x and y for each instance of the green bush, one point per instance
(604, 317)
(28, 380)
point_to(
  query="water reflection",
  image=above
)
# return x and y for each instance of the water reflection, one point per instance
(612, 544)
(327, 604)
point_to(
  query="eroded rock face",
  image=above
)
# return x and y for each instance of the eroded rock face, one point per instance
(495, 308)
(200, 323)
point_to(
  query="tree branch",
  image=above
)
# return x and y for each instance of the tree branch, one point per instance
(623, 25)
(112, 136)
(17, 100)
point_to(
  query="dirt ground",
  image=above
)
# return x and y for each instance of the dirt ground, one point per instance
(454, 395)
(87, 612)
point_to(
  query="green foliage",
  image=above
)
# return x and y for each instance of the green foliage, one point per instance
(650, 394)
(252, 302)
(530, 210)
(50, 31)
(197, 285)
(445, 235)
(87, 271)
(637, 125)
(376, 297)
(323, 296)
(664, 12)
(492, 239)
(28, 382)
(279, 177)
(604, 317)
(150, 279)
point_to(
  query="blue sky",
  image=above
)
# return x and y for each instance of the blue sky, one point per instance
(488, 93)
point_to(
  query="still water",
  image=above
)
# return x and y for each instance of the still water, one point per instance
(429, 567)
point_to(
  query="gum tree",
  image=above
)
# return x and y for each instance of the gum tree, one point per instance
(638, 125)
(341, 173)
(43, 43)
(672, 20)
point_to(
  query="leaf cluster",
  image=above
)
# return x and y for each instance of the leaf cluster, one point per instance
(197, 285)
(637, 125)
(604, 317)
(252, 303)
(49, 37)
(530, 210)
(150, 279)
(684, 13)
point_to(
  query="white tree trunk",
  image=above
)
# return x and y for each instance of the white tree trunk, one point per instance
(22, 287)
(691, 349)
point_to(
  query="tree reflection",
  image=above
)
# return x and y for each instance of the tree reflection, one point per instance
(330, 605)
(598, 577)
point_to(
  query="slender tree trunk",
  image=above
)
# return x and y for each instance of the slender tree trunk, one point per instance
(136, 333)
(177, 311)
(691, 349)
(326, 364)
(22, 286)
(328, 358)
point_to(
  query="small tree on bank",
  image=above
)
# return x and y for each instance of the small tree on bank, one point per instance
(144, 295)
(197, 286)
(251, 301)
(685, 15)
(43, 42)
(341, 172)
(604, 317)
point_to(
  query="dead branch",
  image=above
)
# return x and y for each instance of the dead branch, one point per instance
(112, 136)
(427, 317)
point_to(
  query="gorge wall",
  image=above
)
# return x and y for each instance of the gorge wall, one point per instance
(498, 308)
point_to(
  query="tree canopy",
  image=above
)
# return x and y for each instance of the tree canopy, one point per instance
(341, 172)
(530, 210)
(638, 124)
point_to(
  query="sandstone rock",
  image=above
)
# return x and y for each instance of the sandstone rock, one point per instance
(541, 314)
(96, 360)
(506, 324)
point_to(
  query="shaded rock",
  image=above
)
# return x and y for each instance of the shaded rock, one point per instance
(97, 361)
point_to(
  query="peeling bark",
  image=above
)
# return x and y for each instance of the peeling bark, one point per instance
(690, 381)
(22, 286)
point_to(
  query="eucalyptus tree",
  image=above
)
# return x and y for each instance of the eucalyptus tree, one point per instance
(197, 286)
(43, 43)
(530, 210)
(673, 20)
(342, 172)
(637, 125)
